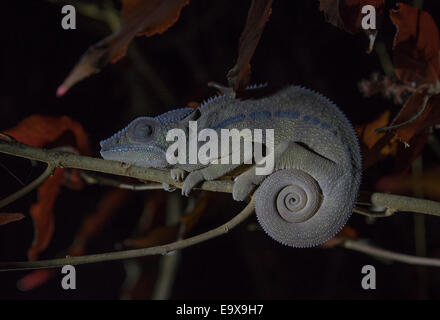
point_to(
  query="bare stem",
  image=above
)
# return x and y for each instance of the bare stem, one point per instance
(25, 190)
(389, 255)
(406, 204)
(60, 159)
(91, 178)
(413, 118)
(128, 254)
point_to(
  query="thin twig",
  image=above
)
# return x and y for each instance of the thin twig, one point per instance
(169, 263)
(389, 255)
(384, 58)
(91, 178)
(374, 214)
(391, 203)
(28, 188)
(405, 204)
(128, 254)
(413, 118)
(59, 159)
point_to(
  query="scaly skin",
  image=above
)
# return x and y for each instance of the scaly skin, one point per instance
(311, 135)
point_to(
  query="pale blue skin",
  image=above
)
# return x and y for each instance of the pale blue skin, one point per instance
(311, 135)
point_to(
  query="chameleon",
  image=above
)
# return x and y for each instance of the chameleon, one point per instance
(310, 194)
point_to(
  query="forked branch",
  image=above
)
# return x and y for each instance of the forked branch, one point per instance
(128, 254)
(60, 159)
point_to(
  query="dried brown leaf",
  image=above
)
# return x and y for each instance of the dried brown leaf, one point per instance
(416, 46)
(416, 116)
(347, 15)
(139, 17)
(259, 12)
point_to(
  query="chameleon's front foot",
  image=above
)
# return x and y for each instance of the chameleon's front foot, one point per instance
(191, 181)
(177, 174)
(168, 187)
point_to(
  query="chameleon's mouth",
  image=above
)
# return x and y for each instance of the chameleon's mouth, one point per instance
(129, 148)
(143, 156)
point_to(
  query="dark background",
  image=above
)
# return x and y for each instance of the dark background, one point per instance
(297, 47)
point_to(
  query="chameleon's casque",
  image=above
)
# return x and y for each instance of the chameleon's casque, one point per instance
(310, 195)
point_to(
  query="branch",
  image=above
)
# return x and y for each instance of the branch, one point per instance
(31, 186)
(60, 159)
(405, 204)
(389, 255)
(412, 119)
(91, 178)
(169, 264)
(128, 254)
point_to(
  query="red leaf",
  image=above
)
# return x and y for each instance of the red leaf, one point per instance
(42, 213)
(139, 17)
(6, 218)
(35, 279)
(259, 12)
(407, 155)
(331, 12)
(351, 13)
(416, 46)
(108, 205)
(375, 146)
(347, 15)
(429, 117)
(41, 131)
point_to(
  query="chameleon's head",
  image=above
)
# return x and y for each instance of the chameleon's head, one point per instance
(137, 144)
(143, 141)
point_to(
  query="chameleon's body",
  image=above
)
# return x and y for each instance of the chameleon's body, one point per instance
(315, 147)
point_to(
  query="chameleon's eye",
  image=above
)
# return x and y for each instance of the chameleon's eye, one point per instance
(142, 130)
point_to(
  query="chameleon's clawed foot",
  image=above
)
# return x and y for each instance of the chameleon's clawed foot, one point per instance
(243, 187)
(177, 174)
(168, 188)
(191, 181)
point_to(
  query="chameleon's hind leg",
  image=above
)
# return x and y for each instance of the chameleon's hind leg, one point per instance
(246, 182)
(288, 155)
(210, 172)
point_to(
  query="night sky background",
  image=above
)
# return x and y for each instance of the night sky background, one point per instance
(297, 47)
